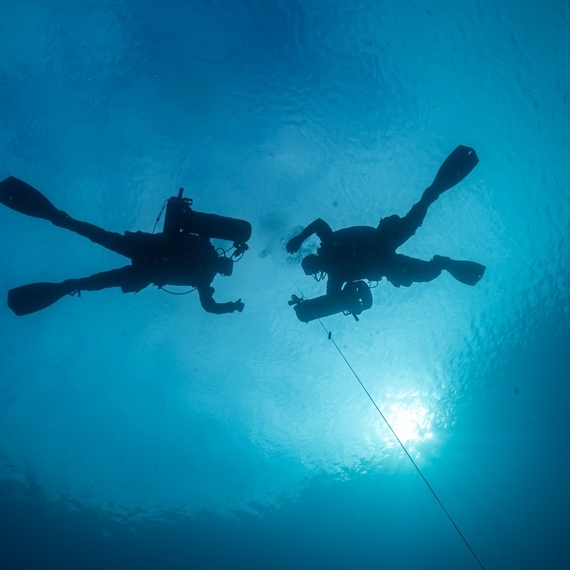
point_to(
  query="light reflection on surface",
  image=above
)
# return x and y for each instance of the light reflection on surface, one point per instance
(410, 419)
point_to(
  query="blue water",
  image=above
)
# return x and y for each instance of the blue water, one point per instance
(138, 431)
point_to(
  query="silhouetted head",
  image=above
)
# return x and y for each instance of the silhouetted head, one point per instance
(312, 264)
(224, 266)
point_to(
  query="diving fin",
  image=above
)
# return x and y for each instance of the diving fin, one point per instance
(466, 272)
(36, 296)
(21, 197)
(454, 169)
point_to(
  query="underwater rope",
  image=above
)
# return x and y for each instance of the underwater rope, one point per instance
(416, 466)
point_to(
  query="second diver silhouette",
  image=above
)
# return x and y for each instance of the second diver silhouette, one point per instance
(351, 255)
(179, 255)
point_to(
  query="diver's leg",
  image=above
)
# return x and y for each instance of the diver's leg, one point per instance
(125, 277)
(21, 197)
(113, 241)
(402, 270)
(37, 296)
(454, 169)
(397, 230)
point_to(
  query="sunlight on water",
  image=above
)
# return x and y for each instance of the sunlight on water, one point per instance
(410, 421)
(278, 113)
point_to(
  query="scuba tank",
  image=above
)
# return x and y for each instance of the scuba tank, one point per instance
(180, 217)
(354, 298)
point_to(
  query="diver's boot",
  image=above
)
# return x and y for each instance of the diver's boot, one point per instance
(60, 219)
(466, 272)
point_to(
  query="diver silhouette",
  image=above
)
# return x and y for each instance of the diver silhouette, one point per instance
(181, 254)
(350, 255)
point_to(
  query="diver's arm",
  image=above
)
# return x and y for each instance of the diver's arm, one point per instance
(319, 227)
(206, 293)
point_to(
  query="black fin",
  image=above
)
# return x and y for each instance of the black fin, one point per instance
(35, 297)
(454, 168)
(466, 272)
(21, 197)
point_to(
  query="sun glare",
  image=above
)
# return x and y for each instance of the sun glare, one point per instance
(408, 417)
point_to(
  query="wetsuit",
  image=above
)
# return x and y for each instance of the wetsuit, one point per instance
(157, 259)
(365, 252)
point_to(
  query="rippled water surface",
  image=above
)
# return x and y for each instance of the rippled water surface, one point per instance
(137, 431)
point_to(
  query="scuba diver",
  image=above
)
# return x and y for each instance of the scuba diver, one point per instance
(180, 255)
(350, 255)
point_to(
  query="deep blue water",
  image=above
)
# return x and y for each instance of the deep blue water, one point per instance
(137, 431)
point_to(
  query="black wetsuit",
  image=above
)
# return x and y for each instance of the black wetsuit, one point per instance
(365, 252)
(159, 259)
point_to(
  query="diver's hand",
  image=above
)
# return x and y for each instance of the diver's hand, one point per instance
(238, 305)
(294, 244)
